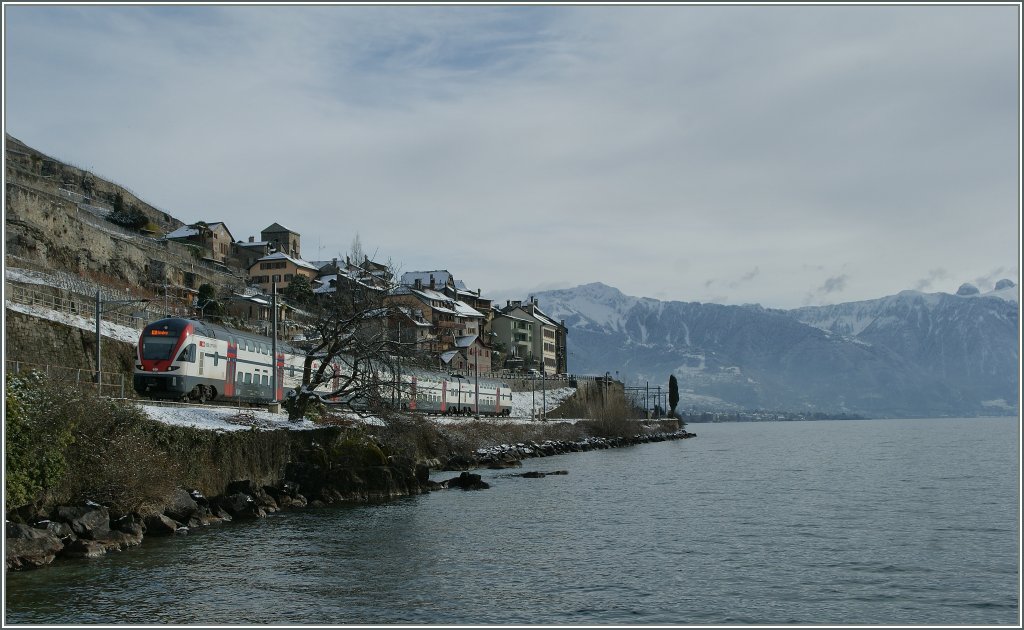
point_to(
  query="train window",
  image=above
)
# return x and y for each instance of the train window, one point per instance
(158, 348)
(238, 377)
(265, 379)
(248, 378)
(188, 353)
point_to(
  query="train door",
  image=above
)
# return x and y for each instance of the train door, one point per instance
(229, 378)
(444, 396)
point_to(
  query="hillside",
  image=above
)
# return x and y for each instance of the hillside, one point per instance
(58, 220)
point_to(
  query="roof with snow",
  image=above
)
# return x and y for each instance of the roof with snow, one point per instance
(512, 317)
(446, 357)
(466, 310)
(252, 243)
(184, 231)
(188, 231)
(440, 276)
(329, 282)
(465, 341)
(283, 256)
(277, 227)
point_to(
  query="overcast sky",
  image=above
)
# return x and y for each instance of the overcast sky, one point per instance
(784, 155)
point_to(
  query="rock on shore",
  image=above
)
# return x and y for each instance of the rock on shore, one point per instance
(89, 530)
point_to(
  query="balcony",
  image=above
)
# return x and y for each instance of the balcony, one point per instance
(450, 325)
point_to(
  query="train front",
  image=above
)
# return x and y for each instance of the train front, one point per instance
(161, 368)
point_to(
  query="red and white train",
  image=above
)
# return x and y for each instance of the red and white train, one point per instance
(186, 359)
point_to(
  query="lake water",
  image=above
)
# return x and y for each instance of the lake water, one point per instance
(855, 522)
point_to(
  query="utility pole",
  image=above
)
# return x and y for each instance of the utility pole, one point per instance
(533, 390)
(544, 388)
(273, 343)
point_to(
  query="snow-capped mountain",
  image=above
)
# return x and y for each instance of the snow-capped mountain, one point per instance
(910, 354)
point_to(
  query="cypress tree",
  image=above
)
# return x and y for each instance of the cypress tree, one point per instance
(673, 393)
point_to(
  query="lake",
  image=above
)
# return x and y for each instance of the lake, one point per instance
(835, 522)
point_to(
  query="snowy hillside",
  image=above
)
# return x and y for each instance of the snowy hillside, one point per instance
(909, 354)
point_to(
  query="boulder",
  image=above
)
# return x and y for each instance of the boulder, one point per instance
(29, 547)
(241, 505)
(89, 521)
(160, 525)
(182, 506)
(250, 488)
(83, 548)
(58, 529)
(131, 524)
(118, 540)
(467, 481)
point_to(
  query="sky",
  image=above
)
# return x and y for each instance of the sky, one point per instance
(772, 154)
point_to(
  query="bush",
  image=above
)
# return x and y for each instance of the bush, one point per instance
(37, 431)
(116, 461)
(66, 445)
(354, 449)
(131, 217)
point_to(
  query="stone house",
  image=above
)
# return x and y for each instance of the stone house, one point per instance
(245, 253)
(282, 239)
(213, 239)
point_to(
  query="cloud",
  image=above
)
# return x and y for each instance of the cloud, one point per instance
(989, 279)
(934, 275)
(835, 284)
(518, 143)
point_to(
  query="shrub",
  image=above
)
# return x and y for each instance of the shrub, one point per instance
(116, 461)
(37, 431)
(63, 444)
(130, 217)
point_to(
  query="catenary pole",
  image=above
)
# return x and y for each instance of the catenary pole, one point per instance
(273, 343)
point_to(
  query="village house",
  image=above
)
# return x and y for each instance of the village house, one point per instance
(245, 253)
(280, 268)
(433, 293)
(282, 239)
(469, 355)
(409, 326)
(515, 334)
(214, 240)
(547, 352)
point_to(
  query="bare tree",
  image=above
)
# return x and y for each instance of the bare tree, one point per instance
(352, 357)
(356, 254)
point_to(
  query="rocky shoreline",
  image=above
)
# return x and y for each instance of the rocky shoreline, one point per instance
(91, 530)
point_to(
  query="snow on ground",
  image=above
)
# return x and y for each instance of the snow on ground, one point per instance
(524, 404)
(223, 418)
(107, 329)
(243, 418)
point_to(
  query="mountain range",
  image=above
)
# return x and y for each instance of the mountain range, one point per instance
(912, 354)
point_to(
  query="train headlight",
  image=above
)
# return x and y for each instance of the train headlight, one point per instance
(173, 367)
